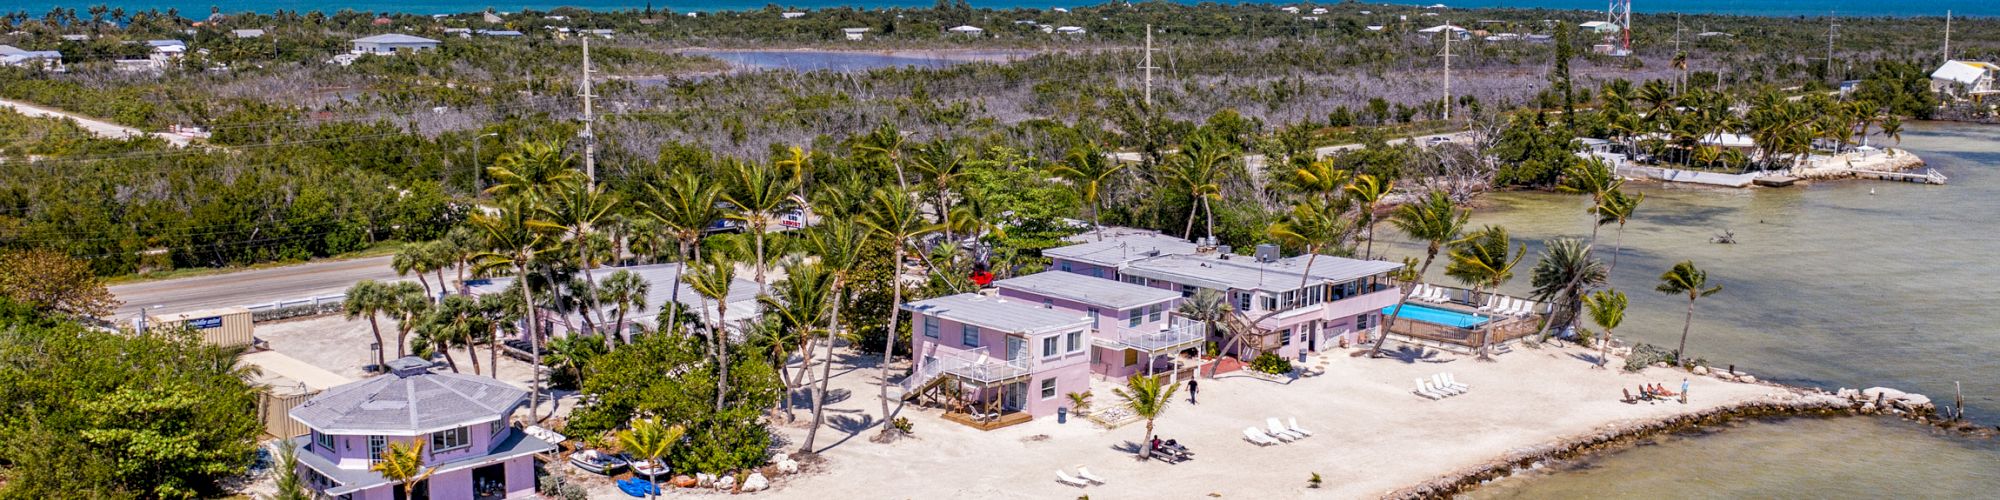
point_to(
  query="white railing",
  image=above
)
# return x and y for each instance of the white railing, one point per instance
(1163, 339)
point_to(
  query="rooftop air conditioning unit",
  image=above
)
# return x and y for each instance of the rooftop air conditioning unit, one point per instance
(1267, 252)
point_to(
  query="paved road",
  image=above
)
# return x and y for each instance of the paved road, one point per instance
(259, 286)
(95, 126)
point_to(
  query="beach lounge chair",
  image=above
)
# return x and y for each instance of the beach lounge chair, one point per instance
(1437, 383)
(1427, 294)
(1256, 436)
(1084, 474)
(1488, 305)
(1440, 295)
(1279, 435)
(1527, 308)
(1424, 389)
(1063, 477)
(1444, 379)
(1453, 380)
(1278, 429)
(1292, 424)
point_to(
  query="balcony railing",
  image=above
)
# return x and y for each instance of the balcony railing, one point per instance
(973, 365)
(1172, 338)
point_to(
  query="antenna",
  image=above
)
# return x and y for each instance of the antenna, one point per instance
(1148, 66)
(1620, 14)
(589, 139)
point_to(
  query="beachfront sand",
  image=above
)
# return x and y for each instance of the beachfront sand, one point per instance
(1372, 435)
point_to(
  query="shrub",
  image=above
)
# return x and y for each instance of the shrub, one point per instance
(1272, 364)
(904, 425)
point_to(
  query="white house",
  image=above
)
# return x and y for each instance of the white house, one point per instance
(1599, 27)
(1070, 30)
(792, 15)
(1963, 79)
(16, 57)
(966, 30)
(392, 43)
(1290, 10)
(1318, 10)
(249, 33)
(854, 33)
(600, 33)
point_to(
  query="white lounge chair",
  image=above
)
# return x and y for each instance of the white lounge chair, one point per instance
(1063, 477)
(1280, 436)
(1519, 307)
(1529, 308)
(1434, 294)
(1492, 302)
(1448, 377)
(1084, 474)
(1439, 381)
(1292, 424)
(1278, 429)
(1256, 436)
(1423, 389)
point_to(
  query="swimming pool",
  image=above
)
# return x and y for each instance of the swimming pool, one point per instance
(1445, 317)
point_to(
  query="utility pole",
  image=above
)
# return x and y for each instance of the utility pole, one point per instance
(1830, 25)
(1947, 35)
(1148, 66)
(1448, 35)
(589, 139)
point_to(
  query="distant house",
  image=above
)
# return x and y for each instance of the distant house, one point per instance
(249, 33)
(1373, 27)
(1963, 79)
(792, 15)
(461, 32)
(1598, 27)
(1712, 34)
(1060, 9)
(490, 17)
(1461, 33)
(393, 43)
(1318, 10)
(600, 33)
(462, 421)
(1290, 10)
(19, 58)
(499, 33)
(1070, 30)
(75, 38)
(165, 51)
(966, 30)
(854, 33)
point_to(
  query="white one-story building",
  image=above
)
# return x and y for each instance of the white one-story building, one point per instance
(393, 43)
(1964, 79)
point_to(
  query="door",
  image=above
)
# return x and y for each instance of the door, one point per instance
(1016, 397)
(1312, 336)
(1017, 348)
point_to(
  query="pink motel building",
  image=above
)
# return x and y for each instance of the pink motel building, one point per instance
(462, 420)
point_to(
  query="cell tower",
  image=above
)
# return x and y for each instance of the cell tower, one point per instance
(1620, 15)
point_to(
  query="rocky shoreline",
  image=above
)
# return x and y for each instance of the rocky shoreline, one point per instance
(1796, 402)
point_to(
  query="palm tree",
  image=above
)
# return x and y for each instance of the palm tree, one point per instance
(884, 145)
(456, 321)
(650, 440)
(289, 484)
(404, 464)
(796, 307)
(368, 299)
(1090, 171)
(1207, 306)
(414, 258)
(1147, 398)
(1482, 261)
(686, 206)
(1595, 178)
(1618, 207)
(571, 354)
(408, 305)
(1320, 179)
(1686, 279)
(514, 238)
(1314, 225)
(1434, 220)
(1369, 190)
(1199, 168)
(626, 292)
(1892, 127)
(756, 194)
(711, 279)
(941, 163)
(838, 243)
(1607, 309)
(1564, 273)
(530, 169)
(894, 217)
(577, 207)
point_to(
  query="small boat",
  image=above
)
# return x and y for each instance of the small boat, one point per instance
(649, 468)
(597, 462)
(638, 488)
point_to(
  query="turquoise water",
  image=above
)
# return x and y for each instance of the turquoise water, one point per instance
(1761, 7)
(1438, 316)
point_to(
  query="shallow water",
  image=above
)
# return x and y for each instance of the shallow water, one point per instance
(1833, 284)
(1793, 458)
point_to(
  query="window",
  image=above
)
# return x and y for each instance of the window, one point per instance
(1290, 299)
(1133, 317)
(1285, 337)
(450, 439)
(1048, 303)
(1075, 341)
(1096, 272)
(1064, 266)
(1243, 302)
(324, 441)
(494, 428)
(970, 335)
(1154, 313)
(930, 327)
(1187, 290)
(1048, 388)
(1270, 302)
(1093, 317)
(375, 444)
(1049, 348)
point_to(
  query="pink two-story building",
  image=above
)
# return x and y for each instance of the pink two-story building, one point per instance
(462, 421)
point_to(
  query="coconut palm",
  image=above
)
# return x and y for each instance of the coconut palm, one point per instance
(711, 278)
(571, 354)
(1565, 272)
(894, 217)
(1618, 207)
(756, 193)
(578, 207)
(1148, 398)
(1207, 306)
(514, 238)
(1892, 128)
(626, 292)
(369, 299)
(942, 164)
(408, 303)
(686, 205)
(1369, 191)
(1591, 177)
(1685, 279)
(403, 464)
(1607, 310)
(1314, 225)
(1434, 220)
(649, 439)
(531, 168)
(1090, 170)
(1483, 261)
(838, 243)
(1320, 179)
(884, 146)
(1199, 169)
(415, 258)
(458, 320)
(795, 308)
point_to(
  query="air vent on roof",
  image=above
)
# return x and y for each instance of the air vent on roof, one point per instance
(1225, 250)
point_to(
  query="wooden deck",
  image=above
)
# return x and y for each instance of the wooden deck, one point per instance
(1006, 420)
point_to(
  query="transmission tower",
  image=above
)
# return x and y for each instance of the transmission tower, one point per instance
(1620, 14)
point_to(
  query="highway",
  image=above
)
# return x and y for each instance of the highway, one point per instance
(242, 288)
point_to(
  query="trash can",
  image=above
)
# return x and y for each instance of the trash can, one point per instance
(1062, 415)
(1302, 355)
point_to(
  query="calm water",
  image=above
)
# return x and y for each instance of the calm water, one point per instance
(813, 60)
(1759, 7)
(1830, 286)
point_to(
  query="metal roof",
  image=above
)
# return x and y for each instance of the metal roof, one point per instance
(411, 402)
(394, 38)
(1122, 249)
(1964, 72)
(997, 313)
(1245, 273)
(1100, 292)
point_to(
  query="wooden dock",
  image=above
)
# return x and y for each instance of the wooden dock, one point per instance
(1927, 177)
(1776, 181)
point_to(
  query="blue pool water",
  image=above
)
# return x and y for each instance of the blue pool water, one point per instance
(1439, 316)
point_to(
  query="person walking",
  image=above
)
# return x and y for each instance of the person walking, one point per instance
(1684, 391)
(1191, 391)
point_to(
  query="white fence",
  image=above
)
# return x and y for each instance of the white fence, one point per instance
(293, 308)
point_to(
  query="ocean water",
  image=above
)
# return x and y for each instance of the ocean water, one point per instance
(1757, 7)
(1833, 284)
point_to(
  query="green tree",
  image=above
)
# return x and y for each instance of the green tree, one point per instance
(711, 278)
(1314, 225)
(649, 439)
(1685, 279)
(513, 239)
(686, 205)
(1369, 191)
(756, 194)
(1483, 261)
(285, 474)
(1607, 310)
(626, 292)
(1437, 222)
(1564, 274)
(1091, 171)
(1148, 398)
(838, 243)
(369, 299)
(1618, 207)
(1592, 177)
(50, 281)
(404, 464)
(894, 218)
